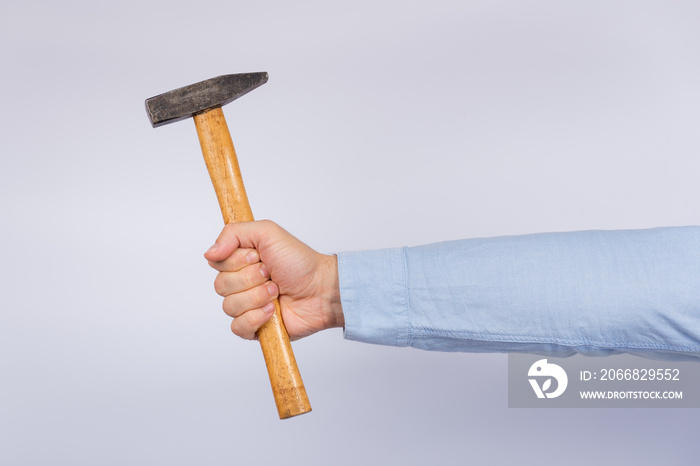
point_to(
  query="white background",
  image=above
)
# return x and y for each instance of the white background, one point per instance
(383, 124)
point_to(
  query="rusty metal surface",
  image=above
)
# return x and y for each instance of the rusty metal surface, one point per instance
(184, 102)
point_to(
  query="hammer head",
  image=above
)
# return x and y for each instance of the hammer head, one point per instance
(196, 98)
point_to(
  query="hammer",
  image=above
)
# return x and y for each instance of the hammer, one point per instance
(203, 102)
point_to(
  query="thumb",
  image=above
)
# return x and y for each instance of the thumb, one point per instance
(223, 247)
(239, 235)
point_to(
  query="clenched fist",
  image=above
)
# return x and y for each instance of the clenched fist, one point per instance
(259, 261)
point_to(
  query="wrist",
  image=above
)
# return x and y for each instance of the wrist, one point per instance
(334, 308)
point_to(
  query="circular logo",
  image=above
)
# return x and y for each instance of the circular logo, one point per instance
(546, 372)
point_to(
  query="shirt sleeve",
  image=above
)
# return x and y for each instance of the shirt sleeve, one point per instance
(592, 291)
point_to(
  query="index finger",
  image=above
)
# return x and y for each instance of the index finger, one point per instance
(240, 258)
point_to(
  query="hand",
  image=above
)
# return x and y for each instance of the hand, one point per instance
(259, 261)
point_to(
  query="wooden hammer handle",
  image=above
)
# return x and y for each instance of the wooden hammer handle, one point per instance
(222, 163)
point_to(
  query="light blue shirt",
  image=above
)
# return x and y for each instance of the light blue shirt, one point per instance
(597, 292)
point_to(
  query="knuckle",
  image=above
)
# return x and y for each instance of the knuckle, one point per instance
(249, 318)
(219, 285)
(254, 320)
(241, 327)
(262, 295)
(224, 307)
(238, 257)
(230, 307)
(269, 225)
(235, 328)
(248, 278)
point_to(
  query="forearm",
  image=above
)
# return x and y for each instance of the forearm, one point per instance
(585, 291)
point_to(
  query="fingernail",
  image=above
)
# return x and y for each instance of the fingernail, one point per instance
(213, 247)
(252, 257)
(264, 272)
(272, 289)
(269, 308)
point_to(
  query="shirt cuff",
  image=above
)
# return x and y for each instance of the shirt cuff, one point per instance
(374, 296)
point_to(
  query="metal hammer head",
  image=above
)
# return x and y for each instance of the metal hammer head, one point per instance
(186, 101)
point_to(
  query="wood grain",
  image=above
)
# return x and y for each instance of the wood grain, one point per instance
(222, 163)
